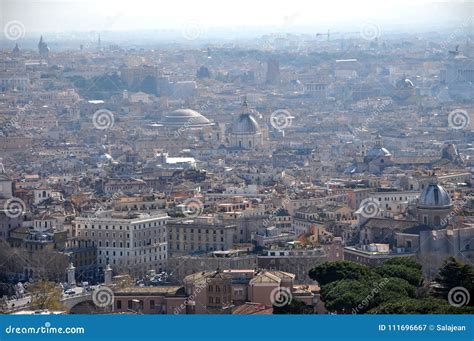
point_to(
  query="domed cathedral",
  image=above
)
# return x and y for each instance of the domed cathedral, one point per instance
(374, 161)
(245, 132)
(16, 52)
(378, 157)
(404, 90)
(43, 49)
(434, 204)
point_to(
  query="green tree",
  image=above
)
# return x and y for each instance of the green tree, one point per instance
(405, 261)
(412, 275)
(455, 274)
(345, 295)
(329, 272)
(419, 306)
(294, 307)
(358, 296)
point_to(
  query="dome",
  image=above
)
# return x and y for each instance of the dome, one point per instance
(245, 124)
(378, 152)
(185, 118)
(405, 83)
(434, 196)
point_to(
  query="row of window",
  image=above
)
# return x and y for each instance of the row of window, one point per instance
(135, 244)
(199, 238)
(120, 227)
(140, 252)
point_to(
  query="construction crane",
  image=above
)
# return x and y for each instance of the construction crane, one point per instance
(328, 34)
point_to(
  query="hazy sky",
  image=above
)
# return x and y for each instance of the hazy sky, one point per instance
(118, 15)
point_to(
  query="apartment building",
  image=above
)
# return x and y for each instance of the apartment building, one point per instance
(133, 243)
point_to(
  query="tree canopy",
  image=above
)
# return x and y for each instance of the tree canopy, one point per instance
(395, 287)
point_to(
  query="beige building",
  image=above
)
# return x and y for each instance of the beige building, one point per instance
(296, 260)
(182, 266)
(133, 243)
(148, 300)
(199, 235)
(222, 291)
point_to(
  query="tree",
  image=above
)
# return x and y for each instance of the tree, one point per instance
(405, 261)
(455, 274)
(419, 306)
(334, 271)
(46, 295)
(400, 268)
(294, 307)
(345, 295)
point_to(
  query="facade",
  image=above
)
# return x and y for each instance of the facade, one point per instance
(234, 288)
(199, 235)
(148, 300)
(373, 254)
(297, 261)
(133, 243)
(182, 266)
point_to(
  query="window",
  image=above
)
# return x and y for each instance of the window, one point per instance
(152, 304)
(130, 304)
(119, 304)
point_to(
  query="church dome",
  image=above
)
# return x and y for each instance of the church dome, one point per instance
(185, 118)
(378, 152)
(405, 83)
(245, 124)
(434, 196)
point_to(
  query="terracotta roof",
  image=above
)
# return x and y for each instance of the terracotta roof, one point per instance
(250, 308)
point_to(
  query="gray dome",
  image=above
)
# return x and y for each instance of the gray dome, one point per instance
(245, 124)
(405, 83)
(378, 152)
(185, 117)
(434, 196)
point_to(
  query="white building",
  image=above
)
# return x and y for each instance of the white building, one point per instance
(133, 243)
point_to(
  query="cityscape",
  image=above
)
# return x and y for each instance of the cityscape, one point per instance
(274, 169)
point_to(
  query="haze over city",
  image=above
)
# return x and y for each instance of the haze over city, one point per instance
(239, 158)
